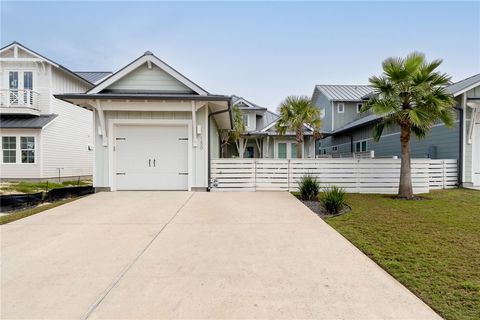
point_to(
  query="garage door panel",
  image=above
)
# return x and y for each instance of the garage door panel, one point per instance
(152, 157)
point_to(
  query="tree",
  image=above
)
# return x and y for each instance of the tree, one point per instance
(410, 94)
(295, 113)
(227, 136)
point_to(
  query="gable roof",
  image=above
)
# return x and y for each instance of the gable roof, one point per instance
(93, 76)
(41, 57)
(245, 104)
(147, 58)
(464, 85)
(344, 92)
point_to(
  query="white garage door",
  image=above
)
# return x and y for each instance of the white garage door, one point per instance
(151, 157)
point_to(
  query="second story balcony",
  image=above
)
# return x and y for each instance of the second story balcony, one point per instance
(19, 101)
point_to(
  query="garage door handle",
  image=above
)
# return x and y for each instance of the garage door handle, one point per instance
(154, 162)
(183, 173)
(149, 162)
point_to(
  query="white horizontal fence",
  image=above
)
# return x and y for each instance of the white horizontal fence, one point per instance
(354, 175)
(443, 173)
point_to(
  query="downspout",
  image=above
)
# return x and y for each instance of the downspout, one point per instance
(209, 138)
(461, 114)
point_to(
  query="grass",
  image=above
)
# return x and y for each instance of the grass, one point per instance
(431, 246)
(28, 212)
(33, 187)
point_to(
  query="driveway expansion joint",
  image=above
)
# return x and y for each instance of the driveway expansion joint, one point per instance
(130, 265)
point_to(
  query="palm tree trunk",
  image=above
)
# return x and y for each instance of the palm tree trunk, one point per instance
(405, 189)
(299, 138)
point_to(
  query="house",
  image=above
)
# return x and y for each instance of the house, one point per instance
(42, 137)
(348, 131)
(261, 140)
(154, 129)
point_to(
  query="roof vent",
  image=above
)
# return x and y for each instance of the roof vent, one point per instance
(148, 53)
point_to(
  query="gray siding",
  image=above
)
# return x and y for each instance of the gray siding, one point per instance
(321, 101)
(350, 113)
(441, 142)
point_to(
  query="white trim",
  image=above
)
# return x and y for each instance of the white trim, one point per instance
(476, 84)
(333, 116)
(113, 123)
(245, 102)
(139, 62)
(338, 107)
(39, 58)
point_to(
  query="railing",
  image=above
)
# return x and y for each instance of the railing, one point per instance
(355, 175)
(18, 98)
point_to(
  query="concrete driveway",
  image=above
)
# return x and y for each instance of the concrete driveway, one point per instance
(146, 255)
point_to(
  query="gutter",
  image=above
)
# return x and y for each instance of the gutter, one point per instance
(209, 139)
(140, 96)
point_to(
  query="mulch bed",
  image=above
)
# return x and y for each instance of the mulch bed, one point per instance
(319, 210)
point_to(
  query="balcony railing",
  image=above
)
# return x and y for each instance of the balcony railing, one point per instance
(19, 101)
(19, 98)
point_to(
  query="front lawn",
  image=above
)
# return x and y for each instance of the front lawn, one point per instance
(431, 246)
(34, 187)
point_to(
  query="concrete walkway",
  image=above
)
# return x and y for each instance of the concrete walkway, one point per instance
(157, 255)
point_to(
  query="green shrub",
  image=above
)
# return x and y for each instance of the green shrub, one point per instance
(309, 188)
(333, 199)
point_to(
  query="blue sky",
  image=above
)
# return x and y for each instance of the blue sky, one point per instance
(262, 51)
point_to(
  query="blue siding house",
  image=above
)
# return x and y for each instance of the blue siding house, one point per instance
(346, 130)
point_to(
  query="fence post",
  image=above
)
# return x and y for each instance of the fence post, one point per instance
(255, 174)
(357, 174)
(444, 169)
(288, 175)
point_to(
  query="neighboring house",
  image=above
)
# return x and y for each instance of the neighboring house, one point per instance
(42, 137)
(346, 130)
(261, 140)
(154, 129)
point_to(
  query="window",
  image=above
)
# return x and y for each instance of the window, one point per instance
(361, 146)
(245, 120)
(9, 149)
(293, 150)
(335, 149)
(282, 150)
(27, 146)
(359, 107)
(341, 108)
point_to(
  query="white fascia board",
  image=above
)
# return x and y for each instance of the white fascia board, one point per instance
(476, 84)
(245, 102)
(139, 62)
(30, 52)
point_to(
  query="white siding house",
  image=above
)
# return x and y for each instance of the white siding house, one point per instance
(154, 129)
(42, 137)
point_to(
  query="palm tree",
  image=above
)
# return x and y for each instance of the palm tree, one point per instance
(410, 94)
(295, 112)
(227, 136)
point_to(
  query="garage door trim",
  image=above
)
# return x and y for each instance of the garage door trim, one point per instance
(114, 123)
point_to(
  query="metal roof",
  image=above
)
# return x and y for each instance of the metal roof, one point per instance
(93, 76)
(22, 122)
(344, 92)
(464, 85)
